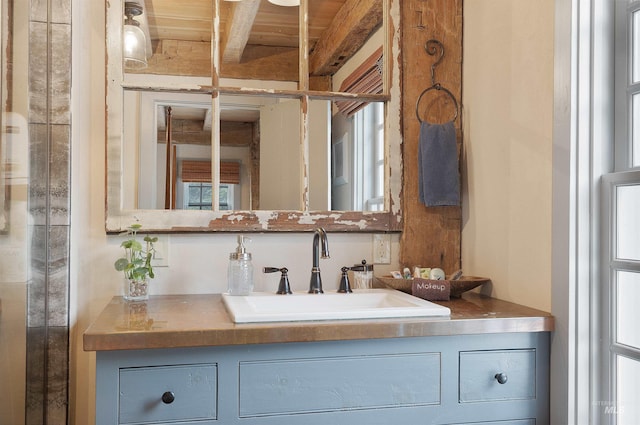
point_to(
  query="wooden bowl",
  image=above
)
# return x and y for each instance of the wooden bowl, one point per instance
(403, 285)
(464, 284)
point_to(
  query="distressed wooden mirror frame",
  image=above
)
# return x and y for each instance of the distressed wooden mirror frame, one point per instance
(118, 219)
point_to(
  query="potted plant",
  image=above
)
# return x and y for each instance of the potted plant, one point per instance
(136, 264)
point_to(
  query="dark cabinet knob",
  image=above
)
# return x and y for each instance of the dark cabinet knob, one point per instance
(501, 378)
(168, 397)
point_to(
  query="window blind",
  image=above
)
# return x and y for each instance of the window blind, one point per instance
(366, 79)
(200, 172)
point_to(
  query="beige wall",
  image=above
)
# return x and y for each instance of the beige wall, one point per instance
(13, 340)
(507, 119)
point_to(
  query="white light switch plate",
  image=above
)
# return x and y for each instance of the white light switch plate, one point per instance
(161, 254)
(381, 248)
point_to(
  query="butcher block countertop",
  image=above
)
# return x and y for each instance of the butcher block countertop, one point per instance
(173, 321)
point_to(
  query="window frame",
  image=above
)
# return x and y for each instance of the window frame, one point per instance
(623, 173)
(584, 119)
(368, 136)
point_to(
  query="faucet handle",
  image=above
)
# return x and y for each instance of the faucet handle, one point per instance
(345, 287)
(283, 287)
(270, 269)
(362, 267)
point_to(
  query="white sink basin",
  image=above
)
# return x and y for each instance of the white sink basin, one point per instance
(361, 304)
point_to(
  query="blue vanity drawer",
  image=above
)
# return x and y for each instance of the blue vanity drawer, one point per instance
(512, 422)
(497, 375)
(168, 393)
(337, 384)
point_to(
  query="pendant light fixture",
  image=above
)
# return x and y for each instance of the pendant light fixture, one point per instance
(134, 48)
(285, 2)
(280, 2)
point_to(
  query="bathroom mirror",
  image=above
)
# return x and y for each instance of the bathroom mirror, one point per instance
(259, 152)
(5, 161)
(4, 188)
(274, 128)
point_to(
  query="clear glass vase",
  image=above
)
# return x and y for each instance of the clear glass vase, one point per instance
(138, 317)
(136, 290)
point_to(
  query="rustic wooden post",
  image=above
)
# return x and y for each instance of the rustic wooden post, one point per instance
(431, 235)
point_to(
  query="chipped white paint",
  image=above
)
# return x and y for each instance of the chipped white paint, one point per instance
(254, 90)
(258, 86)
(312, 219)
(264, 218)
(171, 82)
(394, 111)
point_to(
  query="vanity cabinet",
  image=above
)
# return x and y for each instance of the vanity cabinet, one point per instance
(496, 378)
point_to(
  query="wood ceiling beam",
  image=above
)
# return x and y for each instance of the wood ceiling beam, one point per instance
(193, 58)
(186, 132)
(238, 29)
(264, 62)
(202, 138)
(232, 133)
(348, 31)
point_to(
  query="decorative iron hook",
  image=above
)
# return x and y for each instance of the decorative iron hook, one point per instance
(433, 47)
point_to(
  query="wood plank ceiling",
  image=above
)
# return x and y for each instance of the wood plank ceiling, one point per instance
(259, 40)
(254, 30)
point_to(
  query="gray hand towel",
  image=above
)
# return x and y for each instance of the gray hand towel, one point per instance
(439, 179)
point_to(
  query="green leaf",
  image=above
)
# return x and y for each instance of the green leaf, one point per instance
(121, 264)
(135, 245)
(140, 271)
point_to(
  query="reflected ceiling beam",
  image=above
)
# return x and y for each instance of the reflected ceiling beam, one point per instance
(238, 29)
(189, 132)
(186, 132)
(161, 117)
(237, 134)
(208, 119)
(348, 31)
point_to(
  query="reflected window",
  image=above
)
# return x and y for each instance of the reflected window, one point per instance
(198, 196)
(368, 131)
(226, 197)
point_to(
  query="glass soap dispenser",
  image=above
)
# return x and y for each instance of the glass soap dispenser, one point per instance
(240, 272)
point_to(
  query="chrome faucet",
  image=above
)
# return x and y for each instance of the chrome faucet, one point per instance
(319, 238)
